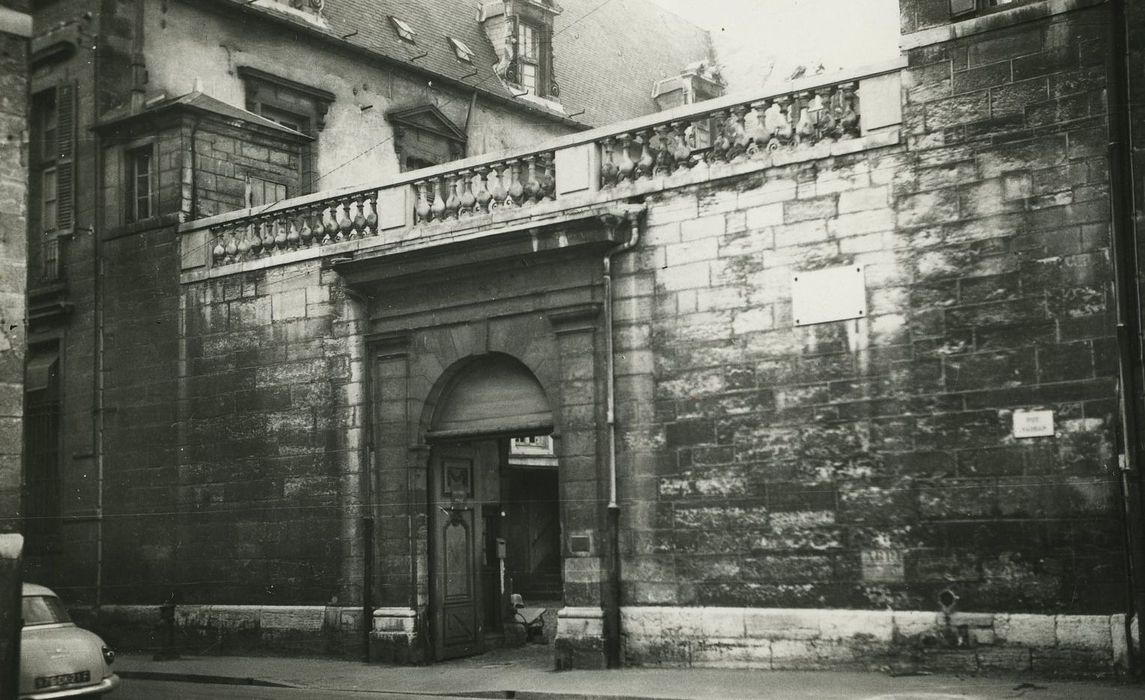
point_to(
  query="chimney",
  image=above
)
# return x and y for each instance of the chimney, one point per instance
(697, 82)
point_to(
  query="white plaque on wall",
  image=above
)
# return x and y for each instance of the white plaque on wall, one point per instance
(830, 294)
(1029, 424)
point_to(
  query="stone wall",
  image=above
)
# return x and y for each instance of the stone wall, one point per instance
(14, 33)
(870, 463)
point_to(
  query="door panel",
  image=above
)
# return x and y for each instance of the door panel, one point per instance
(458, 473)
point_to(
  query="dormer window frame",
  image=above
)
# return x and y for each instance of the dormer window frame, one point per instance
(532, 41)
(461, 50)
(404, 31)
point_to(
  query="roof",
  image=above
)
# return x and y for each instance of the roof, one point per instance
(200, 102)
(599, 44)
(36, 589)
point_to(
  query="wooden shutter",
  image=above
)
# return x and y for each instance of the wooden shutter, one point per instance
(65, 155)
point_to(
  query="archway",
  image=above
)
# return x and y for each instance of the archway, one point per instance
(493, 503)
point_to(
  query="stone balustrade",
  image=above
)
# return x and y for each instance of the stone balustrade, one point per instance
(666, 149)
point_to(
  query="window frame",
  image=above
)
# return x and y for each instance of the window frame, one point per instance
(975, 8)
(131, 179)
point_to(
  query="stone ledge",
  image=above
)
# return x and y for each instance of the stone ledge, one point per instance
(785, 638)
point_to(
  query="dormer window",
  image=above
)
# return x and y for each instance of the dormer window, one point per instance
(464, 53)
(405, 32)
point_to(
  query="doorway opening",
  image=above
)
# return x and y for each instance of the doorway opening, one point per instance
(494, 511)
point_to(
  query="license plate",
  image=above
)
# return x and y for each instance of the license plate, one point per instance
(63, 679)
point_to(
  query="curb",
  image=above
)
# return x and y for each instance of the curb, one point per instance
(200, 678)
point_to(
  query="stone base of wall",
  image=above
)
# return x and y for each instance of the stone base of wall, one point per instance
(230, 629)
(580, 639)
(780, 639)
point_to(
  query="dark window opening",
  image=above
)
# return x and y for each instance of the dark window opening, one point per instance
(41, 455)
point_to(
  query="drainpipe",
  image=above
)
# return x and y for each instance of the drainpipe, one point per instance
(97, 319)
(612, 599)
(1127, 292)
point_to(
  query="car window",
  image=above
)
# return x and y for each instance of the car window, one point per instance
(43, 610)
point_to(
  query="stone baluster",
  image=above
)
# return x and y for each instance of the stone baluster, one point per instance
(437, 209)
(681, 151)
(720, 141)
(758, 135)
(665, 155)
(220, 250)
(804, 126)
(646, 161)
(280, 224)
(532, 186)
(421, 209)
(516, 189)
(245, 242)
(609, 170)
(483, 196)
(468, 199)
(737, 133)
(849, 110)
(627, 166)
(548, 176)
(256, 242)
(292, 237)
(828, 119)
(452, 201)
(306, 234)
(500, 192)
(329, 225)
(371, 220)
(232, 245)
(266, 224)
(784, 126)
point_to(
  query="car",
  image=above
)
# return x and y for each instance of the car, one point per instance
(57, 658)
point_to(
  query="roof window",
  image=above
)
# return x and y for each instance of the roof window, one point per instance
(462, 50)
(404, 31)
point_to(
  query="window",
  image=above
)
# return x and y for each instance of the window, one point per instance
(405, 32)
(963, 8)
(464, 53)
(528, 51)
(50, 176)
(262, 192)
(286, 118)
(139, 183)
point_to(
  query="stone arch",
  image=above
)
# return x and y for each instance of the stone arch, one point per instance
(487, 394)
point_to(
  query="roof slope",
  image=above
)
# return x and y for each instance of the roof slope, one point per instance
(608, 53)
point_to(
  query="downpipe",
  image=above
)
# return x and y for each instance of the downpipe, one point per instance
(631, 214)
(1126, 265)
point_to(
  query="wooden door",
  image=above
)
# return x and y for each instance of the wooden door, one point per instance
(456, 611)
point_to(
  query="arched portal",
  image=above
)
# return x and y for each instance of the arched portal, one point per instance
(494, 504)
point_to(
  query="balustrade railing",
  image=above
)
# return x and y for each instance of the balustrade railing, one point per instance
(740, 132)
(344, 217)
(482, 189)
(609, 159)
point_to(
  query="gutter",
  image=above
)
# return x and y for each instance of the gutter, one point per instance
(631, 213)
(1128, 301)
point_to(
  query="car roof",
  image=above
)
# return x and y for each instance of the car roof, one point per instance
(36, 589)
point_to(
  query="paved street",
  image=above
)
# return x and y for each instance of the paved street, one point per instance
(526, 674)
(136, 689)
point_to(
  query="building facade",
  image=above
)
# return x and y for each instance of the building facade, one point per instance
(838, 373)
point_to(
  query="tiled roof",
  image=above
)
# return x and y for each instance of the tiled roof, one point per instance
(202, 103)
(599, 45)
(609, 53)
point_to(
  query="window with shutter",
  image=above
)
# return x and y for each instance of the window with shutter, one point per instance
(65, 163)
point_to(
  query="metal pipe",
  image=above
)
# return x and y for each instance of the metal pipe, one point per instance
(1127, 296)
(612, 600)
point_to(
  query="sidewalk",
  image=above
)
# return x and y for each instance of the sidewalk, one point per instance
(527, 673)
